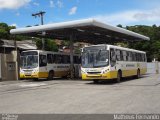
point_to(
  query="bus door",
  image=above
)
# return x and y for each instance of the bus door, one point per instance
(113, 59)
(43, 73)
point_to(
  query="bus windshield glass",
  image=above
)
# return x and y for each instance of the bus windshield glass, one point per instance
(29, 60)
(92, 58)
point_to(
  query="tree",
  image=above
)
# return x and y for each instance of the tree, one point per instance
(119, 25)
(152, 47)
(50, 45)
(4, 31)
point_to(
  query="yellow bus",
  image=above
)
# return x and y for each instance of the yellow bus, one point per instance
(102, 62)
(38, 64)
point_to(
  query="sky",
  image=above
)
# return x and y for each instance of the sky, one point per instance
(125, 12)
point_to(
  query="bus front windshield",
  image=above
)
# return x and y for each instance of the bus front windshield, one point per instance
(29, 60)
(95, 58)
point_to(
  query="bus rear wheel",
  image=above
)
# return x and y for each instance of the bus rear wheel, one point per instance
(138, 74)
(119, 76)
(50, 75)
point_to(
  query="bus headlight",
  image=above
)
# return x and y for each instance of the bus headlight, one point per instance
(82, 71)
(35, 70)
(21, 71)
(105, 70)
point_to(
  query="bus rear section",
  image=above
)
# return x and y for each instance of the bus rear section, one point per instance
(102, 62)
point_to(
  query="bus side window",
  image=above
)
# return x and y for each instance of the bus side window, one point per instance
(79, 59)
(139, 57)
(55, 58)
(142, 57)
(42, 60)
(133, 56)
(125, 56)
(65, 59)
(59, 59)
(112, 57)
(130, 56)
(76, 59)
(136, 56)
(118, 56)
(121, 55)
(68, 59)
(145, 58)
(49, 58)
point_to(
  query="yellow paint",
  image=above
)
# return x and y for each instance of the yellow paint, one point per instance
(127, 73)
(108, 75)
(112, 74)
(44, 74)
(143, 71)
(35, 75)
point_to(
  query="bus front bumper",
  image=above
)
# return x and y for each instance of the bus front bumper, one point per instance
(25, 76)
(108, 75)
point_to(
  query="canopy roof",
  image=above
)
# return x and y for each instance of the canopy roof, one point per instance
(88, 30)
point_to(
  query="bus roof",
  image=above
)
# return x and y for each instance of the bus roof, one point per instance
(86, 30)
(51, 52)
(117, 47)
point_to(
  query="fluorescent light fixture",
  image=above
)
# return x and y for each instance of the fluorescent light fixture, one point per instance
(97, 33)
(80, 30)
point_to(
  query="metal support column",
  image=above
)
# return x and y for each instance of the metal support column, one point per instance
(71, 56)
(43, 41)
(17, 59)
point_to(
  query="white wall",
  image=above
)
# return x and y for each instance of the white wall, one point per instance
(151, 67)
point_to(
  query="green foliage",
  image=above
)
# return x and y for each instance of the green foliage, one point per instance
(49, 45)
(122, 44)
(4, 31)
(152, 47)
(119, 25)
(65, 43)
(77, 50)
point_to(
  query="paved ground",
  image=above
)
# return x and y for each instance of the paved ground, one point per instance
(68, 96)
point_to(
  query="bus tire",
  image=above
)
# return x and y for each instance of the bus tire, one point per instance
(138, 74)
(50, 75)
(119, 76)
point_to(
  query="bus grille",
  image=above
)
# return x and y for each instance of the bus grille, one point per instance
(93, 72)
(27, 70)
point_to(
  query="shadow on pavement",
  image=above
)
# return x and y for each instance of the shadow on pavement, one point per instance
(55, 79)
(114, 82)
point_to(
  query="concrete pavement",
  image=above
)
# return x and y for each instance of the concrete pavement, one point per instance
(82, 97)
